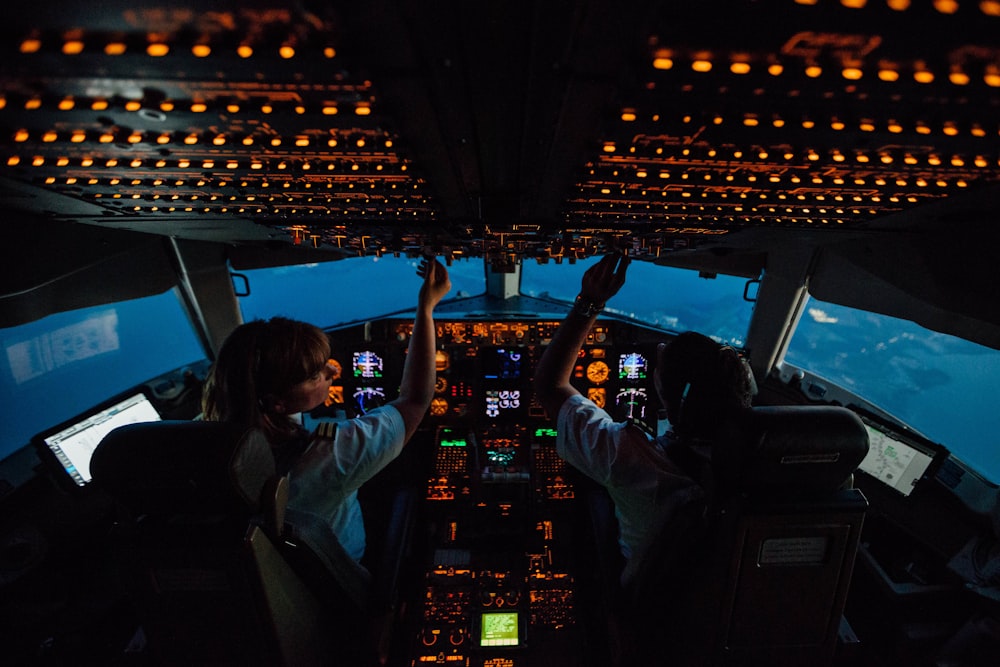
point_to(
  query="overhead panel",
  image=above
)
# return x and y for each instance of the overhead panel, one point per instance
(806, 114)
(533, 130)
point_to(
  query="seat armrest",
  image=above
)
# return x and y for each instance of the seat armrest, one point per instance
(273, 500)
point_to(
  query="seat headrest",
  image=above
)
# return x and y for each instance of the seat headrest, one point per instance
(180, 467)
(803, 449)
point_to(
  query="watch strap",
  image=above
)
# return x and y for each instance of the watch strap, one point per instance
(585, 307)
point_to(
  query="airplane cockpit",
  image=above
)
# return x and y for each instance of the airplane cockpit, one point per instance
(815, 183)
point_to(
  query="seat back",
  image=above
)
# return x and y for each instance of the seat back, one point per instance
(790, 452)
(197, 540)
(763, 578)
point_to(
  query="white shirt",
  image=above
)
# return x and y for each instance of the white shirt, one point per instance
(646, 487)
(324, 481)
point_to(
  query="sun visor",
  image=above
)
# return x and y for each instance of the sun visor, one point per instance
(901, 280)
(42, 273)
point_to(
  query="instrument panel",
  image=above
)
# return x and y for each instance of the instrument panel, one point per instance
(501, 565)
(484, 370)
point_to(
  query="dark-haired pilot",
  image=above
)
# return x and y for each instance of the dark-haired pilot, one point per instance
(700, 383)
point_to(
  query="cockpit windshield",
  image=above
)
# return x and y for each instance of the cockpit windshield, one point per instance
(941, 386)
(349, 290)
(664, 297)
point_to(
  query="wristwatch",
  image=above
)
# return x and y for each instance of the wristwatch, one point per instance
(586, 307)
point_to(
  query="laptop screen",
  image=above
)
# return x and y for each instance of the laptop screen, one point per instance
(73, 444)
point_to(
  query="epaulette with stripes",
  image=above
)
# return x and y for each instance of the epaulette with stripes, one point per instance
(326, 430)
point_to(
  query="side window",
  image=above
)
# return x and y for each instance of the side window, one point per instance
(56, 367)
(940, 385)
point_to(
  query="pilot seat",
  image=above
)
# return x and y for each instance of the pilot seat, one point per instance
(216, 574)
(757, 573)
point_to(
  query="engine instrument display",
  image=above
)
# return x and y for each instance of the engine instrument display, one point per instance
(500, 400)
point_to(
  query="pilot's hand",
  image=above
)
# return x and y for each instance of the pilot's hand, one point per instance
(436, 282)
(603, 280)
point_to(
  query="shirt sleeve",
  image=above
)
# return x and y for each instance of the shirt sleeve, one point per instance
(645, 485)
(590, 440)
(358, 450)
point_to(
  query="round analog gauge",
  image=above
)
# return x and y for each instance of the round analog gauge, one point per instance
(440, 385)
(597, 372)
(334, 396)
(439, 407)
(598, 395)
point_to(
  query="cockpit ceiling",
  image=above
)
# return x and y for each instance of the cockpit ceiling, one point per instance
(534, 129)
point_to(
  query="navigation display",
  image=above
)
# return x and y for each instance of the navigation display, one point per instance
(894, 462)
(631, 403)
(369, 398)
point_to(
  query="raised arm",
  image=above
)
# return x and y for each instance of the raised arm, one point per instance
(600, 282)
(416, 389)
